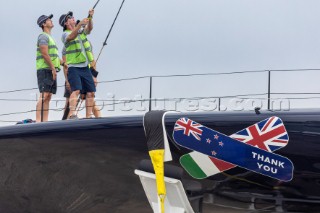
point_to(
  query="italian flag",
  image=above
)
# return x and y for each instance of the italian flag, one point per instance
(201, 166)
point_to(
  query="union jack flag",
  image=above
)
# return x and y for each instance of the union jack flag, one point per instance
(188, 126)
(269, 134)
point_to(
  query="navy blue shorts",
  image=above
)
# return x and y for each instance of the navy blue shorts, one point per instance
(80, 78)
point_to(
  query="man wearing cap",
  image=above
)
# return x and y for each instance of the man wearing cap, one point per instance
(78, 57)
(48, 63)
(67, 92)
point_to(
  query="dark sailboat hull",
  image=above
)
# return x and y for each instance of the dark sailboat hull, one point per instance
(88, 165)
(85, 168)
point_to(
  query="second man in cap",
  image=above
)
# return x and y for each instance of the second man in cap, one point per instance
(78, 57)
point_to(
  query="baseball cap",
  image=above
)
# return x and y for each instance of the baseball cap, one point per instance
(63, 18)
(42, 19)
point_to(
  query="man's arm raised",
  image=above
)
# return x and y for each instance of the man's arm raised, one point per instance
(74, 32)
(89, 27)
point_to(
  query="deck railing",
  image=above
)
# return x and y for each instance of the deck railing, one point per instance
(268, 93)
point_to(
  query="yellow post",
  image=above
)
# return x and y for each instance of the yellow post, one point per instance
(157, 158)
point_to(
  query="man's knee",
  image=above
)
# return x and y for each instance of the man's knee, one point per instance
(46, 96)
(90, 95)
(75, 93)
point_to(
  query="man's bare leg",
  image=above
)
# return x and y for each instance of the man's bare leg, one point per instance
(96, 110)
(46, 100)
(46, 110)
(73, 102)
(89, 104)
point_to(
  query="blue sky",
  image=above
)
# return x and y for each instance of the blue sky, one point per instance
(171, 37)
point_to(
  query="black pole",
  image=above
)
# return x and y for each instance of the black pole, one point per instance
(269, 88)
(95, 4)
(105, 41)
(66, 112)
(219, 102)
(42, 107)
(94, 7)
(150, 94)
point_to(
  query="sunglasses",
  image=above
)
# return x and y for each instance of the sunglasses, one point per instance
(69, 17)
